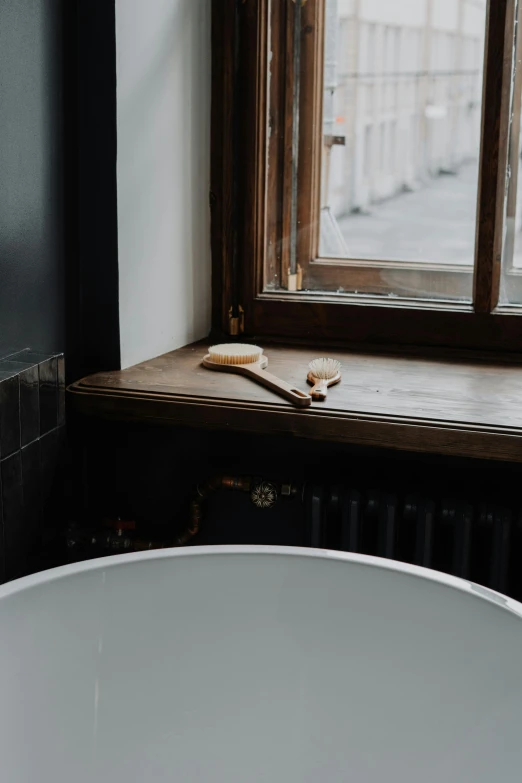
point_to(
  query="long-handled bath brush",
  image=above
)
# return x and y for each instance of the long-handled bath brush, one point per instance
(323, 373)
(249, 360)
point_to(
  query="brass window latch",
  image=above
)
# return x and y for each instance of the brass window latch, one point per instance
(236, 325)
(295, 281)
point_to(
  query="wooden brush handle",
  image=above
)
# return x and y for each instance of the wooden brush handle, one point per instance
(319, 390)
(320, 385)
(295, 396)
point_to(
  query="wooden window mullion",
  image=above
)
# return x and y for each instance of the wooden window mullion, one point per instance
(310, 132)
(288, 132)
(221, 177)
(493, 153)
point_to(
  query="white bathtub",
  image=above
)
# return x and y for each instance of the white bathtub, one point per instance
(242, 665)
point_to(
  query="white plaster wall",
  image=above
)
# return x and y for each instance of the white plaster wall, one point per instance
(163, 171)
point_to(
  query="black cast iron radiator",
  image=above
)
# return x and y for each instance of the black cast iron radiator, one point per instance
(481, 542)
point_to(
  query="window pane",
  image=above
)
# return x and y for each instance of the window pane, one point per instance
(511, 279)
(401, 129)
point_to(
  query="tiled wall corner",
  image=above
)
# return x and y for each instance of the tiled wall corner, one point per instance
(9, 409)
(32, 426)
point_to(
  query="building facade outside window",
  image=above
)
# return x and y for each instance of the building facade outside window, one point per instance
(408, 72)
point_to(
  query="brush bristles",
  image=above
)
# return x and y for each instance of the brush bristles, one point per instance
(235, 353)
(324, 368)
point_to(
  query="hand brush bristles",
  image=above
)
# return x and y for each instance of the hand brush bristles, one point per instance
(324, 369)
(235, 353)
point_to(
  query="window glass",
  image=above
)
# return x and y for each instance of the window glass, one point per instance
(511, 279)
(399, 184)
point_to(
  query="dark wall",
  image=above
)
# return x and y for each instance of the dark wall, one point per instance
(93, 338)
(58, 252)
(32, 274)
(58, 214)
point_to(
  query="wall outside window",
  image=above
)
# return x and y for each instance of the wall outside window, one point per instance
(414, 66)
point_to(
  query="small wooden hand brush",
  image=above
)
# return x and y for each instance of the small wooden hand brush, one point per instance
(323, 373)
(249, 360)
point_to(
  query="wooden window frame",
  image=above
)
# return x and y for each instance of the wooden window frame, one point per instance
(245, 188)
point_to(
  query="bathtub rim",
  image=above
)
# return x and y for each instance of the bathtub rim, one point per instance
(102, 564)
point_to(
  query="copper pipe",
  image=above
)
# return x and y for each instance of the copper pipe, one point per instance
(118, 541)
(238, 483)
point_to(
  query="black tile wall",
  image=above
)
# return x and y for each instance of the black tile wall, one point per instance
(51, 385)
(48, 371)
(13, 513)
(9, 409)
(2, 554)
(50, 446)
(29, 544)
(19, 404)
(29, 405)
(61, 390)
(32, 433)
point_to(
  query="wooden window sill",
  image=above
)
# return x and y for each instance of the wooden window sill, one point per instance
(464, 408)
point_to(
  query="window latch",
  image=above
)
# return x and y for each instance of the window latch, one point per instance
(236, 324)
(330, 141)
